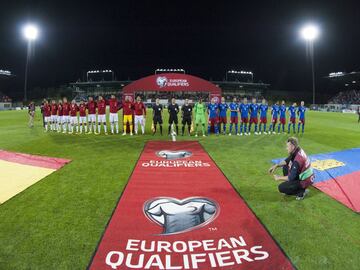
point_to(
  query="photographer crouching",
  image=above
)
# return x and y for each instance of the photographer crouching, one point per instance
(297, 171)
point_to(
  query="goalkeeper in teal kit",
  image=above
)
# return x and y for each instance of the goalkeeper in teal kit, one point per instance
(200, 117)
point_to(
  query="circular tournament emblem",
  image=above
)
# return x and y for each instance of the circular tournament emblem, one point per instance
(161, 81)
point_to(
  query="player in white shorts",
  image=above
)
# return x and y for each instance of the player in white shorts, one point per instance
(46, 110)
(54, 116)
(66, 117)
(140, 115)
(113, 116)
(60, 116)
(82, 117)
(73, 117)
(101, 107)
(91, 106)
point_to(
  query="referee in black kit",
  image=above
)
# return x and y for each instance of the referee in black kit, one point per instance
(186, 111)
(157, 116)
(173, 110)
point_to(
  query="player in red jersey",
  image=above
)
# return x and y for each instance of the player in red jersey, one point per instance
(82, 117)
(60, 116)
(128, 108)
(73, 117)
(47, 114)
(113, 116)
(91, 106)
(66, 116)
(53, 120)
(140, 115)
(101, 106)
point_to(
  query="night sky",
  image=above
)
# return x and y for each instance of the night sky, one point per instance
(206, 38)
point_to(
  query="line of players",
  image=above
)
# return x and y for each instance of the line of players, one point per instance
(63, 116)
(250, 114)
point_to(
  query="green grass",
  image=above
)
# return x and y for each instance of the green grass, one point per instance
(57, 223)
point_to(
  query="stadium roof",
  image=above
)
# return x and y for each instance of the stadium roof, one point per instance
(345, 78)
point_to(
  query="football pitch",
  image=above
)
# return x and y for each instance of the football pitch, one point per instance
(57, 223)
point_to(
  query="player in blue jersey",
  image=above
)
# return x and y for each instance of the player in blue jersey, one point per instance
(301, 112)
(234, 109)
(244, 112)
(274, 117)
(254, 110)
(222, 114)
(263, 108)
(213, 109)
(292, 115)
(282, 112)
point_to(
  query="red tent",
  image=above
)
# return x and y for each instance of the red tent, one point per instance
(172, 82)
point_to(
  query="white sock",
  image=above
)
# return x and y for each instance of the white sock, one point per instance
(112, 127)
(77, 128)
(99, 126)
(85, 128)
(81, 128)
(117, 127)
(46, 126)
(90, 126)
(105, 128)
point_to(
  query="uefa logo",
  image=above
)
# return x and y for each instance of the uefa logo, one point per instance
(179, 216)
(161, 81)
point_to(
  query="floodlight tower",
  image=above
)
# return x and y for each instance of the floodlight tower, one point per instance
(30, 33)
(310, 33)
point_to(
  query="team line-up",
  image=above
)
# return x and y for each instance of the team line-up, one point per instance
(89, 116)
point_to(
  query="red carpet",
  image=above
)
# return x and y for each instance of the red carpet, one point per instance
(178, 211)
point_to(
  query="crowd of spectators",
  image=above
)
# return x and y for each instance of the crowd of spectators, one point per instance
(346, 97)
(4, 98)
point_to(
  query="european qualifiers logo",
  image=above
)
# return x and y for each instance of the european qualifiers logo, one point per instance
(162, 81)
(174, 159)
(179, 216)
(167, 154)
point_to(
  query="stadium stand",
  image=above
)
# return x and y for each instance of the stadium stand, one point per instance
(346, 97)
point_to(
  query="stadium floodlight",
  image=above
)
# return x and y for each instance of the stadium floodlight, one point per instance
(30, 33)
(239, 72)
(161, 70)
(5, 72)
(310, 33)
(353, 81)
